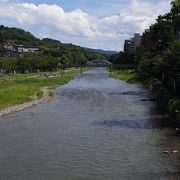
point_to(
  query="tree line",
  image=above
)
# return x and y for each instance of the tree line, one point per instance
(163, 60)
(52, 53)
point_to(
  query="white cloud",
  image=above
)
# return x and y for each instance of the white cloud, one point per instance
(53, 20)
(135, 18)
(76, 22)
(142, 13)
(3, 1)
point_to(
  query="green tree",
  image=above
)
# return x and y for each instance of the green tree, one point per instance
(163, 32)
(8, 64)
(65, 61)
(175, 10)
(123, 58)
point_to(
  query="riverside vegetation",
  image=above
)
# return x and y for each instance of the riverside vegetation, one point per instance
(127, 75)
(159, 67)
(20, 88)
(167, 101)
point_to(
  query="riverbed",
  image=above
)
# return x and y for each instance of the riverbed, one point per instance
(97, 128)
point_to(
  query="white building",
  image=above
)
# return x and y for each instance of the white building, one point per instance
(135, 42)
(9, 47)
(33, 49)
(20, 48)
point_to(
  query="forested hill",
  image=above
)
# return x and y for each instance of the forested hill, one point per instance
(56, 48)
(17, 36)
(106, 52)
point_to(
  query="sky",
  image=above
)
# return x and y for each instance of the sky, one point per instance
(103, 24)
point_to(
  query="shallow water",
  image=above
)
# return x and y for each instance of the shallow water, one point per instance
(97, 128)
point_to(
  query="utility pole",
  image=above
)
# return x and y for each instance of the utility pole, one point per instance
(110, 70)
(81, 70)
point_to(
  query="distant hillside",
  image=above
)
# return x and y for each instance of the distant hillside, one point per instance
(17, 36)
(74, 54)
(105, 52)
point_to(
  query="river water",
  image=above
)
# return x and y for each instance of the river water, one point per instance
(96, 128)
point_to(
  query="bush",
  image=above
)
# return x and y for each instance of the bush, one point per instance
(174, 108)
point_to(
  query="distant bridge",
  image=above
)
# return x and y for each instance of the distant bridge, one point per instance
(99, 62)
(102, 63)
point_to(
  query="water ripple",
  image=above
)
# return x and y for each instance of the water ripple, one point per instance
(130, 124)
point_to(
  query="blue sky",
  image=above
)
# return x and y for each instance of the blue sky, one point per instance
(97, 24)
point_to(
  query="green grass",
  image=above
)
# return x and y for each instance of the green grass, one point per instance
(126, 75)
(19, 88)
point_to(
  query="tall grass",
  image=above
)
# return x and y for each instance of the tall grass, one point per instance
(126, 75)
(19, 88)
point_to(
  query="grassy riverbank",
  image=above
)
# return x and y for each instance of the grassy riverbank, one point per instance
(20, 88)
(126, 75)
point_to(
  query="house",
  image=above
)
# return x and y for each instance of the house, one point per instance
(9, 47)
(33, 49)
(20, 48)
(9, 53)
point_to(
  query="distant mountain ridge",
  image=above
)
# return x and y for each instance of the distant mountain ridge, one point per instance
(17, 36)
(106, 52)
(13, 35)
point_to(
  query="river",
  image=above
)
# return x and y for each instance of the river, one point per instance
(97, 128)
